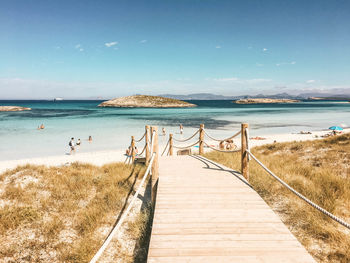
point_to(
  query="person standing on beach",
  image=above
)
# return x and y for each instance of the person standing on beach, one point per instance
(163, 131)
(72, 145)
(181, 129)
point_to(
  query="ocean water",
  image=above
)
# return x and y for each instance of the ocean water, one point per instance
(111, 128)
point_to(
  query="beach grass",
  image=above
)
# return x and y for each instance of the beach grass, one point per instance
(63, 214)
(319, 170)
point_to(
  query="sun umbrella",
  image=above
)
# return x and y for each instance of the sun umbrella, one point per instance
(336, 128)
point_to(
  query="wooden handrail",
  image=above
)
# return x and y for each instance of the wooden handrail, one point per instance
(171, 144)
(244, 154)
(201, 139)
(133, 152)
(155, 164)
(147, 137)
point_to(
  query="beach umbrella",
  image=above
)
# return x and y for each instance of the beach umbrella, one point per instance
(335, 128)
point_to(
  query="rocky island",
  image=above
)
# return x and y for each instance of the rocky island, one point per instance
(13, 108)
(144, 101)
(264, 100)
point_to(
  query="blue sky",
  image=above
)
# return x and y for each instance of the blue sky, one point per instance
(86, 49)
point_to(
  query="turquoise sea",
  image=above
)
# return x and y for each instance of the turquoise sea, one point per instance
(111, 128)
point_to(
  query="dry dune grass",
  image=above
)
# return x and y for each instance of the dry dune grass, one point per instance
(320, 170)
(62, 214)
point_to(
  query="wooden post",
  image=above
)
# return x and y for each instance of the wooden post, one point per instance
(148, 156)
(244, 154)
(171, 144)
(201, 139)
(155, 164)
(133, 153)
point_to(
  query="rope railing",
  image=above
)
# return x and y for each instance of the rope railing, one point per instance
(150, 147)
(143, 150)
(219, 150)
(185, 147)
(143, 136)
(127, 158)
(322, 210)
(185, 140)
(201, 142)
(120, 222)
(229, 138)
(166, 146)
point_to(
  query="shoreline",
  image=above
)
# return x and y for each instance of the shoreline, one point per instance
(100, 158)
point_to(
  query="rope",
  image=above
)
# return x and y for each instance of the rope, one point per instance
(236, 134)
(143, 136)
(187, 138)
(185, 147)
(166, 146)
(127, 157)
(144, 148)
(109, 238)
(223, 151)
(337, 219)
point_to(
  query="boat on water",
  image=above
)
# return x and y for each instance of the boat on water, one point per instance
(57, 99)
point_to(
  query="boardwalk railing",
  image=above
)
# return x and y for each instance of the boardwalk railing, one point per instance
(246, 155)
(302, 197)
(150, 154)
(150, 170)
(202, 142)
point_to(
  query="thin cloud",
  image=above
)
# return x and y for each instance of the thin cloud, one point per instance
(310, 81)
(218, 47)
(226, 79)
(79, 47)
(285, 63)
(143, 41)
(259, 65)
(111, 44)
(264, 49)
(240, 81)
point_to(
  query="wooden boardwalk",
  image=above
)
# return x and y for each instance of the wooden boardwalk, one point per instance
(205, 214)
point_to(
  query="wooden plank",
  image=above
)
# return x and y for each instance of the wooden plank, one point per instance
(204, 214)
(287, 258)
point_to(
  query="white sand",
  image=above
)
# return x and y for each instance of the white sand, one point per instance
(96, 158)
(104, 157)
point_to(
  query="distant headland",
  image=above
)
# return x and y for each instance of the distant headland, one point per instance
(13, 108)
(145, 101)
(264, 100)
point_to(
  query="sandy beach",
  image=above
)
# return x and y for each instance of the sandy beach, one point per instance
(104, 157)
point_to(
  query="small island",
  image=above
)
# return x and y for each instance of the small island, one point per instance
(145, 101)
(13, 108)
(264, 100)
